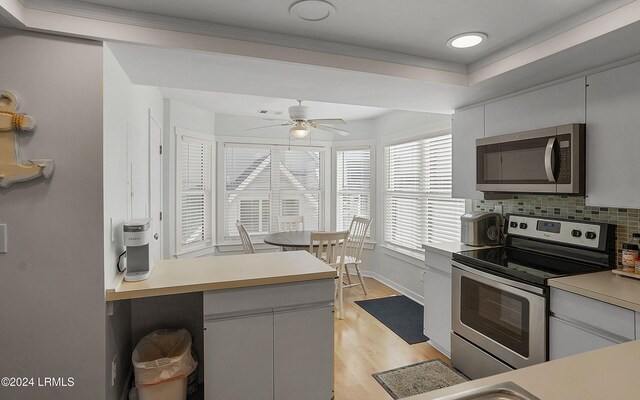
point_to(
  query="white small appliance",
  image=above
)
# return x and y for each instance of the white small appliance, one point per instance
(137, 238)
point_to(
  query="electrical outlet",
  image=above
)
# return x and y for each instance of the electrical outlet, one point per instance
(497, 209)
(114, 369)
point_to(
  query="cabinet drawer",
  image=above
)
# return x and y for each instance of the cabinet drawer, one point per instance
(566, 339)
(267, 298)
(603, 316)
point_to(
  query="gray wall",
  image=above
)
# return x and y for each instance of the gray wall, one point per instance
(52, 278)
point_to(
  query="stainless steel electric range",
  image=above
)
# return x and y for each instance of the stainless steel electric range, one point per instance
(500, 296)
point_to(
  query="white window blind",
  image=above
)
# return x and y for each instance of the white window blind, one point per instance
(194, 192)
(264, 181)
(353, 185)
(417, 201)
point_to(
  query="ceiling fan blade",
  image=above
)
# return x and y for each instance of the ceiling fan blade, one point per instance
(332, 129)
(328, 121)
(268, 126)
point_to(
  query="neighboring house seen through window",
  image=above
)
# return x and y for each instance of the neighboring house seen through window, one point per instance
(264, 181)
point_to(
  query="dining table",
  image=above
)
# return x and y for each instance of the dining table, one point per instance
(297, 240)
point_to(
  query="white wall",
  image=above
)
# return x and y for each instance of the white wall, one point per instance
(52, 277)
(180, 115)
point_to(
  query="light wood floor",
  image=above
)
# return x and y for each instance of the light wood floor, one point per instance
(363, 346)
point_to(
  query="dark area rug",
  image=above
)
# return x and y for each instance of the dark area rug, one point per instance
(418, 378)
(402, 315)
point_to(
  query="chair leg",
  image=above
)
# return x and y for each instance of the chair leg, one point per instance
(340, 298)
(346, 271)
(364, 288)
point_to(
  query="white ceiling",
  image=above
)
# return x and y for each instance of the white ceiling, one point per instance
(247, 105)
(413, 27)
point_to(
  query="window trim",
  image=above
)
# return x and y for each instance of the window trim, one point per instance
(393, 142)
(196, 247)
(373, 159)
(254, 141)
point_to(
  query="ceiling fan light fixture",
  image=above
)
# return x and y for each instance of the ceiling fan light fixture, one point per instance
(299, 130)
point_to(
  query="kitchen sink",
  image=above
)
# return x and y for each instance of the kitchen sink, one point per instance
(498, 391)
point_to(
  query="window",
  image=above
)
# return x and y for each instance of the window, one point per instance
(418, 206)
(263, 181)
(194, 196)
(353, 185)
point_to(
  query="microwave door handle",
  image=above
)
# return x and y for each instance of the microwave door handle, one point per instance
(549, 160)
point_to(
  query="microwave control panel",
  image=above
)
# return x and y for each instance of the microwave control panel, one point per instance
(577, 233)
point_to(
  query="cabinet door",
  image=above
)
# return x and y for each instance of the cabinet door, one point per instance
(303, 354)
(437, 309)
(467, 126)
(567, 339)
(238, 360)
(554, 105)
(613, 101)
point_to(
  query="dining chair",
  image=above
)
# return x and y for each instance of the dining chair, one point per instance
(290, 223)
(327, 246)
(245, 239)
(354, 246)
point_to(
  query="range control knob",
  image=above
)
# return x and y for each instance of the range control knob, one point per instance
(513, 224)
(576, 233)
(523, 225)
(590, 235)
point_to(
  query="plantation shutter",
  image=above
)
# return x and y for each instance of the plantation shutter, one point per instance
(195, 209)
(263, 181)
(418, 205)
(353, 185)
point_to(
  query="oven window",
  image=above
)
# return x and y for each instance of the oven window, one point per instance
(499, 315)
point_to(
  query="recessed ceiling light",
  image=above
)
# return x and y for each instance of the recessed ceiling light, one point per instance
(466, 40)
(312, 10)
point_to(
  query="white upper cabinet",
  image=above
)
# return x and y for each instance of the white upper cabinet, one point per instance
(554, 105)
(613, 137)
(467, 126)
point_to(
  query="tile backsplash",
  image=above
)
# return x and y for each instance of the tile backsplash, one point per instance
(568, 207)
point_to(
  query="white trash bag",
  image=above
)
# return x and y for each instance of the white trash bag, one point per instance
(162, 356)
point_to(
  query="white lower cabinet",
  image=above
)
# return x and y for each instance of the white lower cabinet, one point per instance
(269, 342)
(579, 324)
(437, 302)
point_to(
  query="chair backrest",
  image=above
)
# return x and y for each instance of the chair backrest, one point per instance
(245, 239)
(328, 247)
(358, 233)
(290, 223)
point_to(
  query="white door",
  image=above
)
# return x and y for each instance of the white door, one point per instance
(155, 185)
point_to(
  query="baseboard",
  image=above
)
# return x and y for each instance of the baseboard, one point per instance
(409, 293)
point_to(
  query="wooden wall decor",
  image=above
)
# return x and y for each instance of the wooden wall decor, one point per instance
(12, 168)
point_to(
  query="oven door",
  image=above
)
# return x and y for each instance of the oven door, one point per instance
(505, 318)
(544, 161)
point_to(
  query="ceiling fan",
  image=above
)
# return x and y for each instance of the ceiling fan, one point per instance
(301, 124)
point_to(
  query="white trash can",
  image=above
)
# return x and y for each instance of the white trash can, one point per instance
(162, 362)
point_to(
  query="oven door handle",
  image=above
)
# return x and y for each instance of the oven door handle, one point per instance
(519, 285)
(549, 160)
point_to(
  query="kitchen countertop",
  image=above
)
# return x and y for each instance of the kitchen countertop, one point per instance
(448, 248)
(608, 373)
(177, 276)
(604, 286)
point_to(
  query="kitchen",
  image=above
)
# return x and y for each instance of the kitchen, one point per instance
(586, 85)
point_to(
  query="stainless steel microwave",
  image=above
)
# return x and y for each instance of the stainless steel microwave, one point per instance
(549, 160)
